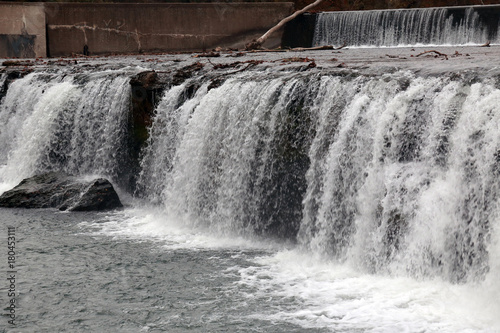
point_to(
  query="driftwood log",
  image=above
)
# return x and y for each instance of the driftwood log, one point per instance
(433, 51)
(257, 43)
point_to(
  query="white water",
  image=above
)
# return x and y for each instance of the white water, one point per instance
(402, 175)
(75, 124)
(397, 178)
(290, 286)
(431, 26)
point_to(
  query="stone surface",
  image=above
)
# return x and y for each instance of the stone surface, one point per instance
(58, 190)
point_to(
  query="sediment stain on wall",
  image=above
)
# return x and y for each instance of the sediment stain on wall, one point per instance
(62, 29)
(22, 30)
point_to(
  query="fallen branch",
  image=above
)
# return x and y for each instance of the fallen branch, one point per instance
(487, 44)
(341, 47)
(265, 51)
(433, 51)
(297, 59)
(394, 56)
(257, 43)
(207, 55)
(324, 47)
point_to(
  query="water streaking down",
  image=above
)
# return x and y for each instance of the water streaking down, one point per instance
(475, 25)
(280, 198)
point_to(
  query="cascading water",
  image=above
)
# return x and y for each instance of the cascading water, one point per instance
(234, 163)
(76, 124)
(429, 26)
(394, 175)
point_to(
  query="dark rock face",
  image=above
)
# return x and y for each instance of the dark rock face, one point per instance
(147, 91)
(58, 190)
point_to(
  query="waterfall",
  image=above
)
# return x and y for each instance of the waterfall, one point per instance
(395, 173)
(71, 123)
(403, 27)
(224, 157)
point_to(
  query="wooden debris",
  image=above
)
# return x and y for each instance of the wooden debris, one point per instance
(239, 54)
(266, 50)
(186, 72)
(207, 55)
(341, 47)
(257, 43)
(434, 51)
(315, 48)
(297, 59)
(394, 56)
(236, 64)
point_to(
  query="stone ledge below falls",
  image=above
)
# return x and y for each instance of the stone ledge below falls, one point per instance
(58, 190)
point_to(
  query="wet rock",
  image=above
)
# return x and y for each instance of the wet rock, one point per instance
(147, 90)
(186, 72)
(58, 190)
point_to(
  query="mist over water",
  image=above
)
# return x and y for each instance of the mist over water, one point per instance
(321, 200)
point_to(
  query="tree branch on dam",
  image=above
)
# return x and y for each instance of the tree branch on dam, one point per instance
(256, 44)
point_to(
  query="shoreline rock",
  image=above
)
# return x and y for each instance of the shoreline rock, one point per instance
(58, 190)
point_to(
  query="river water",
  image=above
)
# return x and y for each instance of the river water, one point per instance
(360, 195)
(136, 271)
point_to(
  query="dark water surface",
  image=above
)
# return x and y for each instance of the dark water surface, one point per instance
(135, 271)
(70, 280)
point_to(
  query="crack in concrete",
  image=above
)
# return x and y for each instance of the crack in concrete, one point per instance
(130, 33)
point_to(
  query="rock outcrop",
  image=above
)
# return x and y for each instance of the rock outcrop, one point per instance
(58, 190)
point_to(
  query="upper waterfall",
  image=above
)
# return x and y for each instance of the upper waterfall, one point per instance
(404, 27)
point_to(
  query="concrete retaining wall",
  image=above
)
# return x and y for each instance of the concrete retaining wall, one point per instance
(22, 30)
(132, 28)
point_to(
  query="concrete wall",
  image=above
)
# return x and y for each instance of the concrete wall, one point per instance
(132, 28)
(22, 30)
(62, 29)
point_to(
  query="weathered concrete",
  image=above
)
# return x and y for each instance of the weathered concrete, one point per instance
(135, 28)
(61, 29)
(22, 30)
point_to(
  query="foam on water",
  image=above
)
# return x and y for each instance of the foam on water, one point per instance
(345, 300)
(301, 288)
(148, 222)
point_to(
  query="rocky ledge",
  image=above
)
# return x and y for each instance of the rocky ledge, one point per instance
(58, 190)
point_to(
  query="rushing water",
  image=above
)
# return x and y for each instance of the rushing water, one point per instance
(275, 199)
(428, 26)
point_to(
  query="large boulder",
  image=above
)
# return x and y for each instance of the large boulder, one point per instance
(58, 190)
